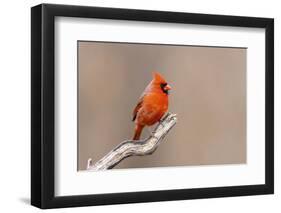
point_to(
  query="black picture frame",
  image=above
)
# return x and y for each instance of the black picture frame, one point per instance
(43, 102)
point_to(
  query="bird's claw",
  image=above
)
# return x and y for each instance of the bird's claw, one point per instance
(160, 123)
(152, 133)
(153, 136)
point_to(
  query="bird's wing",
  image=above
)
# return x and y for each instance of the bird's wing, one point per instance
(139, 105)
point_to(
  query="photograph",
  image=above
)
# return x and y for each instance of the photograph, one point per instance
(125, 90)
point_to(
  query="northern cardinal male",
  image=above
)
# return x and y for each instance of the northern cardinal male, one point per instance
(152, 105)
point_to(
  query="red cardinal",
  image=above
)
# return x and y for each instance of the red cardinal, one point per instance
(152, 105)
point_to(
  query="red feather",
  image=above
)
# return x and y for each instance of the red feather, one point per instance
(152, 105)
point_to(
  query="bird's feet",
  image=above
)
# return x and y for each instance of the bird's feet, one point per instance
(161, 123)
(151, 132)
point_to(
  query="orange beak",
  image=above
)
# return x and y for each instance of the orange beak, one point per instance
(167, 87)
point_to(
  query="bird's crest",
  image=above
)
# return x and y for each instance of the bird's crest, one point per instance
(157, 77)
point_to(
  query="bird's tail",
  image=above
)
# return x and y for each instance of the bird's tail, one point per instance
(138, 131)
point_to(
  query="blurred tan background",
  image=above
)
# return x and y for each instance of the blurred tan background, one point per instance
(208, 95)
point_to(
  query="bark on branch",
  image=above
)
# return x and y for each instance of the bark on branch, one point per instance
(135, 148)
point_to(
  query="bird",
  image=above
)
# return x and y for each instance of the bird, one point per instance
(152, 104)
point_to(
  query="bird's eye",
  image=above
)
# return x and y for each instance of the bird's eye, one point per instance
(162, 85)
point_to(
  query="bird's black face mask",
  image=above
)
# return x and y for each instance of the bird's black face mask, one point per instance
(163, 88)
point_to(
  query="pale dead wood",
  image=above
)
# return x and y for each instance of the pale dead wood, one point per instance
(135, 148)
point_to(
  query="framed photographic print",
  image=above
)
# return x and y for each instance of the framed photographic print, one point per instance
(139, 106)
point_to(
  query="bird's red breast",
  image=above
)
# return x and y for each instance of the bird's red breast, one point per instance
(152, 105)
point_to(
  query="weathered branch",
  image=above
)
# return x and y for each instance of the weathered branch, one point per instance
(135, 148)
